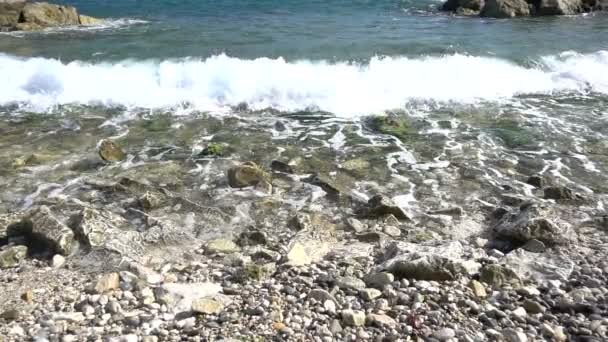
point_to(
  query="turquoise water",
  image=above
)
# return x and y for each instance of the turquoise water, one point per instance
(331, 30)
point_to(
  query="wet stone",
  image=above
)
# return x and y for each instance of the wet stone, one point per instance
(110, 151)
(558, 193)
(534, 246)
(12, 256)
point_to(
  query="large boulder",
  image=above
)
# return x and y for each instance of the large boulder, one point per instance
(49, 15)
(460, 5)
(42, 225)
(505, 8)
(533, 222)
(9, 13)
(106, 230)
(446, 261)
(559, 7)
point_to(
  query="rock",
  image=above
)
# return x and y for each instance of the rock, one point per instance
(559, 7)
(280, 166)
(179, 296)
(428, 262)
(512, 335)
(350, 283)
(505, 8)
(113, 307)
(111, 151)
(381, 320)
(534, 246)
(12, 256)
(358, 166)
(353, 318)
(88, 21)
(456, 5)
(107, 282)
(498, 276)
(321, 296)
(520, 312)
(249, 174)
(379, 279)
(533, 222)
(207, 306)
(10, 314)
(558, 192)
(9, 14)
(370, 294)
(533, 307)
(478, 289)
(444, 334)
(57, 261)
(305, 252)
(100, 229)
(356, 225)
(42, 224)
(392, 231)
(540, 267)
(49, 15)
(536, 181)
(221, 246)
(258, 272)
(10, 225)
(74, 317)
(379, 206)
(28, 296)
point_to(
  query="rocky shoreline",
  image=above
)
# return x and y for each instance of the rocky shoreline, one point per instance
(21, 15)
(131, 257)
(523, 8)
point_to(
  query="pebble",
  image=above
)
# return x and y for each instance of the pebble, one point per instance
(107, 282)
(370, 294)
(512, 335)
(353, 318)
(444, 334)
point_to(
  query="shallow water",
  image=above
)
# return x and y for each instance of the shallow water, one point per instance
(486, 103)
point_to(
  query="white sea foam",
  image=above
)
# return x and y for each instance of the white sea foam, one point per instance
(346, 89)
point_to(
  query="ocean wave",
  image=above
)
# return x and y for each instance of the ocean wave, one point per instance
(345, 89)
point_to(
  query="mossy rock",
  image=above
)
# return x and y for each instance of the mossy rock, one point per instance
(391, 125)
(213, 149)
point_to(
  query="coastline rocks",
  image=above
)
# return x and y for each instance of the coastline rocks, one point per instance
(533, 222)
(35, 16)
(559, 7)
(427, 262)
(505, 8)
(463, 6)
(49, 15)
(43, 225)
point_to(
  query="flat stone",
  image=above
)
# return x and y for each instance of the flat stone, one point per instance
(370, 294)
(321, 296)
(207, 306)
(353, 318)
(392, 231)
(381, 320)
(350, 283)
(221, 246)
(444, 334)
(379, 279)
(179, 296)
(478, 289)
(107, 282)
(533, 307)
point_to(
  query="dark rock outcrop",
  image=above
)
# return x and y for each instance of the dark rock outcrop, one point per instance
(520, 8)
(505, 8)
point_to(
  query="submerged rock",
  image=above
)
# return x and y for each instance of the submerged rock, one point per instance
(558, 193)
(448, 261)
(12, 256)
(111, 151)
(249, 174)
(380, 205)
